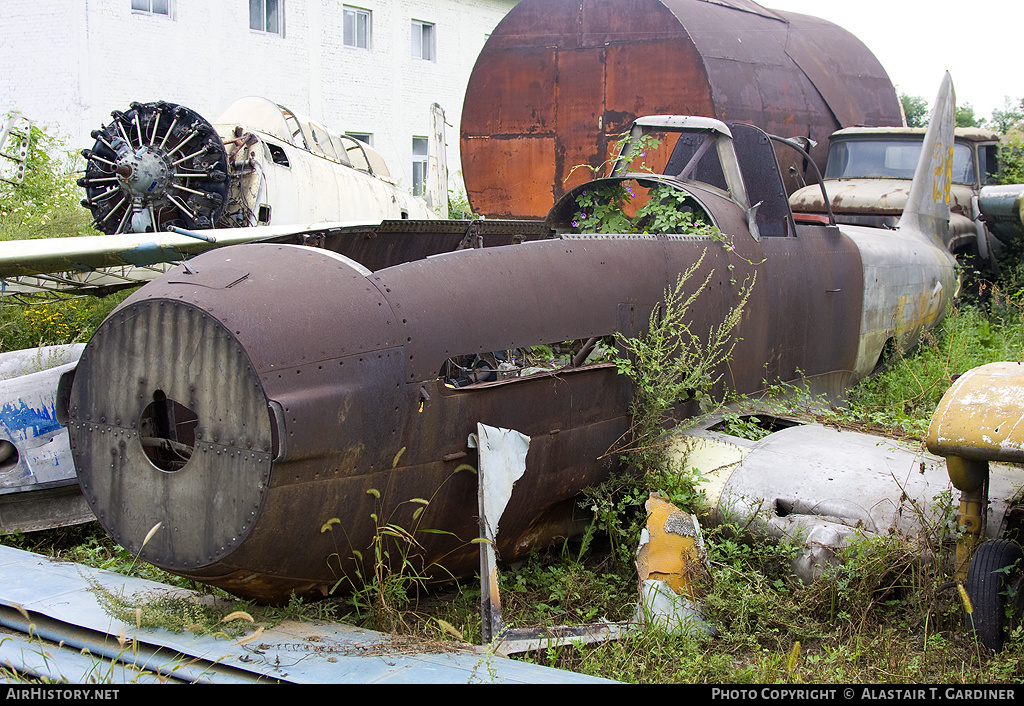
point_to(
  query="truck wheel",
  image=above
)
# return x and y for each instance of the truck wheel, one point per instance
(994, 565)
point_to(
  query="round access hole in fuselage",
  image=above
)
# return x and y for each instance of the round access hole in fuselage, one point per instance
(167, 430)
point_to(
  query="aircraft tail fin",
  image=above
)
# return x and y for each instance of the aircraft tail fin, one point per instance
(927, 209)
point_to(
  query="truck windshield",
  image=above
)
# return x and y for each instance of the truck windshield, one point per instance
(889, 159)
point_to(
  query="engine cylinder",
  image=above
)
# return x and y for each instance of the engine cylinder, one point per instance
(158, 165)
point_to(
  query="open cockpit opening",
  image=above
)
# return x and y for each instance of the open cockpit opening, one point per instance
(638, 206)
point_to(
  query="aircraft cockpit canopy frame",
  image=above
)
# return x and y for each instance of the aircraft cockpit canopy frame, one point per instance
(270, 118)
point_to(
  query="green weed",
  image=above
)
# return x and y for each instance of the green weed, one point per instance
(392, 572)
(46, 204)
(53, 323)
(901, 399)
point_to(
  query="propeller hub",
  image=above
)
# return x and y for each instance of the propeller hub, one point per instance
(144, 173)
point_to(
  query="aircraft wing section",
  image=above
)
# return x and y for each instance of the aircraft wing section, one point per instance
(104, 263)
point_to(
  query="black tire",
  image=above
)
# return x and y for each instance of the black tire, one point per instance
(987, 581)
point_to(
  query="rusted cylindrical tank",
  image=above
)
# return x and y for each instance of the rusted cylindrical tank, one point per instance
(559, 80)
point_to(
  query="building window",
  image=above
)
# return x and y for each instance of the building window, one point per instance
(267, 16)
(366, 137)
(153, 7)
(420, 151)
(357, 27)
(422, 40)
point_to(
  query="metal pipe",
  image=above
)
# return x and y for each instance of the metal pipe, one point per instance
(156, 122)
(181, 206)
(169, 131)
(184, 142)
(194, 154)
(111, 213)
(192, 234)
(120, 128)
(191, 191)
(124, 220)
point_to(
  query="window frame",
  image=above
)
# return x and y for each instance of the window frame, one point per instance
(355, 155)
(366, 137)
(416, 34)
(356, 12)
(150, 11)
(421, 160)
(263, 28)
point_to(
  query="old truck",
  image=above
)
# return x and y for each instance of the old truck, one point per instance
(868, 175)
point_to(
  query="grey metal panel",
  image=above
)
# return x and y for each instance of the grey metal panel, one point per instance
(291, 652)
(864, 481)
(41, 659)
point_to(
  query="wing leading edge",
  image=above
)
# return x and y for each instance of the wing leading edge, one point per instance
(105, 263)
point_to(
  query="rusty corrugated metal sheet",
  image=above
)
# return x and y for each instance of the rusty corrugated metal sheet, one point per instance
(559, 80)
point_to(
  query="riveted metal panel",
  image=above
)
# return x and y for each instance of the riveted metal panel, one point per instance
(561, 79)
(206, 508)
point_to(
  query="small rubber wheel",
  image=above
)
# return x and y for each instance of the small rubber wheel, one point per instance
(988, 578)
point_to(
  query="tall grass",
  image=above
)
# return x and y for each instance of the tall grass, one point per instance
(901, 399)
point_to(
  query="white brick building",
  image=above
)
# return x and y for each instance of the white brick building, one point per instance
(370, 67)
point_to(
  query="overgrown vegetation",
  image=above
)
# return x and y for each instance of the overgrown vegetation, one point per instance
(47, 203)
(901, 399)
(388, 575)
(55, 322)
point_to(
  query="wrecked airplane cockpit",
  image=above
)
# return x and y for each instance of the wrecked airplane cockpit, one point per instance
(475, 368)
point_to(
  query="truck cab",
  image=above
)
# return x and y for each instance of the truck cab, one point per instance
(870, 169)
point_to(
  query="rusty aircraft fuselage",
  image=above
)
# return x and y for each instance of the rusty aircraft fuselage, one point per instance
(270, 407)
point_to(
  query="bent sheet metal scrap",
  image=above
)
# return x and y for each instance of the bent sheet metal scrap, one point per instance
(56, 628)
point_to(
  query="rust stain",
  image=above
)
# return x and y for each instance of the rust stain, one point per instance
(674, 551)
(561, 79)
